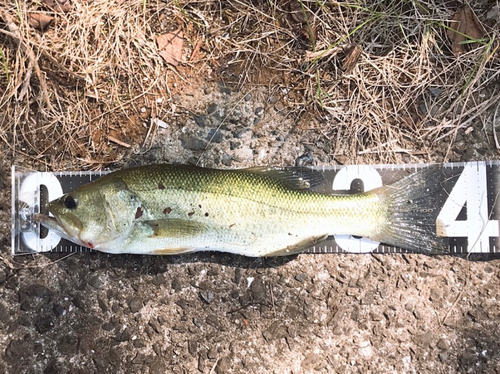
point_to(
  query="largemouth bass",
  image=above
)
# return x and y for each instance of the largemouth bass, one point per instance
(167, 209)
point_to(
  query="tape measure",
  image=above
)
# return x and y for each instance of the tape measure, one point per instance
(468, 205)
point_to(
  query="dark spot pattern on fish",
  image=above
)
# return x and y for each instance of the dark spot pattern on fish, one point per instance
(199, 206)
(167, 210)
(161, 186)
(206, 214)
(138, 212)
(190, 214)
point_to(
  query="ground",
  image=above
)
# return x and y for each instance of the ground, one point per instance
(257, 83)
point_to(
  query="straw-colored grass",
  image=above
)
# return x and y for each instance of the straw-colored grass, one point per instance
(379, 75)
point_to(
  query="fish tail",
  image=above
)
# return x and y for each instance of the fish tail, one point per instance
(411, 207)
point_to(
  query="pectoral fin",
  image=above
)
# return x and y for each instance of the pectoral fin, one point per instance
(175, 228)
(298, 247)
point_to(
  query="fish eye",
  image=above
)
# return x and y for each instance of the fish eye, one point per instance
(70, 202)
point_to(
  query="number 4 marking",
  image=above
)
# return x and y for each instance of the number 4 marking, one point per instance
(470, 189)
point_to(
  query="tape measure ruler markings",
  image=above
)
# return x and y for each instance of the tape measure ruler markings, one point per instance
(469, 207)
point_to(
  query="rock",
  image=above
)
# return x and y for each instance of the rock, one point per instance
(227, 160)
(234, 145)
(443, 344)
(44, 324)
(214, 136)
(258, 289)
(176, 285)
(207, 296)
(4, 313)
(135, 304)
(259, 111)
(223, 366)
(58, 310)
(212, 353)
(79, 302)
(97, 281)
(200, 120)
(305, 160)
(192, 347)
(300, 277)
(225, 90)
(192, 142)
(3, 276)
(212, 108)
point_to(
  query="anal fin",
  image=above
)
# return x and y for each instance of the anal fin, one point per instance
(297, 247)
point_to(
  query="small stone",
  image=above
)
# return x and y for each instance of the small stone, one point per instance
(304, 160)
(410, 306)
(443, 356)
(223, 366)
(103, 304)
(3, 276)
(193, 143)
(273, 99)
(207, 296)
(225, 90)
(436, 294)
(200, 120)
(368, 299)
(155, 326)
(248, 97)
(212, 108)
(443, 344)
(300, 277)
(4, 313)
(234, 145)
(227, 160)
(258, 289)
(418, 314)
(214, 136)
(259, 111)
(192, 347)
(135, 305)
(58, 310)
(97, 281)
(79, 303)
(212, 353)
(44, 324)
(201, 363)
(158, 280)
(242, 134)
(434, 91)
(176, 285)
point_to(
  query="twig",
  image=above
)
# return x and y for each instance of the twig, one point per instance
(494, 123)
(33, 64)
(118, 141)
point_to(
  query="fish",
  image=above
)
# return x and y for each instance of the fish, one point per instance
(167, 209)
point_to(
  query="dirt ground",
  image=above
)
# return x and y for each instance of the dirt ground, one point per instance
(245, 100)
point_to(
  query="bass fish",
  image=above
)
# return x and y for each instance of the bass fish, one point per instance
(172, 209)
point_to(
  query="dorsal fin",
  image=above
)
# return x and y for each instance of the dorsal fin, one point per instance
(297, 178)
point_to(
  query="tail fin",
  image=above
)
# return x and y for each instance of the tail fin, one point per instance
(413, 205)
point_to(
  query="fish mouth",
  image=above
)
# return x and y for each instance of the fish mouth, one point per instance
(59, 227)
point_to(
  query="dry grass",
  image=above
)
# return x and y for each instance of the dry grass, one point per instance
(402, 92)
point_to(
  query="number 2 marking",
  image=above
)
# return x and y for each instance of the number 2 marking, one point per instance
(471, 189)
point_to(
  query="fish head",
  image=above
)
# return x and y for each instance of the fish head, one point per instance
(93, 215)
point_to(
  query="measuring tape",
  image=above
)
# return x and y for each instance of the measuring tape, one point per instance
(468, 205)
